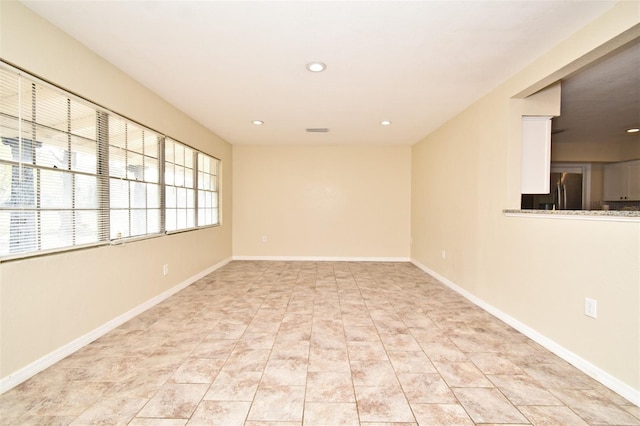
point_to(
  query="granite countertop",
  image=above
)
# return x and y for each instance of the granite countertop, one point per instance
(585, 213)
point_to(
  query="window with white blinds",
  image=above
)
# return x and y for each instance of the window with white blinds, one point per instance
(73, 174)
(52, 194)
(179, 173)
(191, 187)
(208, 169)
(134, 179)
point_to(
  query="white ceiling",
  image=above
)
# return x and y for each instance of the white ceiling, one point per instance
(226, 63)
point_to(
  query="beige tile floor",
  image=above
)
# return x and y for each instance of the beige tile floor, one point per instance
(326, 343)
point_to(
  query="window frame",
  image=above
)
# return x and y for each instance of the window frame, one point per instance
(194, 186)
(103, 175)
(52, 158)
(215, 189)
(132, 179)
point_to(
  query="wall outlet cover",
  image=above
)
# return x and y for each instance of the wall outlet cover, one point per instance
(590, 307)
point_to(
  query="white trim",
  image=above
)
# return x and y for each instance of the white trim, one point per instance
(626, 391)
(323, 259)
(14, 379)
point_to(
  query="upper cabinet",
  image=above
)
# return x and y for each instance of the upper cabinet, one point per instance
(622, 181)
(536, 154)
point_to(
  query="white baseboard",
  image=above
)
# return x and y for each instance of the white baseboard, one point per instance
(323, 259)
(626, 391)
(48, 360)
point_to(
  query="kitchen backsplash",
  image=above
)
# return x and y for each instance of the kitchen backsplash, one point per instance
(615, 205)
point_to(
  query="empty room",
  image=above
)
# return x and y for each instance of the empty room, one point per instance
(320, 212)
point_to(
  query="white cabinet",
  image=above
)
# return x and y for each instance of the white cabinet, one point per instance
(536, 154)
(622, 181)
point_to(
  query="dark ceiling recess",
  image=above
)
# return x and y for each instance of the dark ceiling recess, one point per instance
(602, 101)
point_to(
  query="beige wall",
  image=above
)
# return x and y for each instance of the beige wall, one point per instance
(595, 152)
(447, 193)
(321, 201)
(49, 301)
(536, 270)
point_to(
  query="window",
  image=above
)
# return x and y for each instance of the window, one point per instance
(73, 174)
(180, 199)
(208, 213)
(187, 173)
(134, 179)
(51, 190)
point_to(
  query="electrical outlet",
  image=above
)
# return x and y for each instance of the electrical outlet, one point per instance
(590, 307)
(165, 269)
(444, 254)
(264, 239)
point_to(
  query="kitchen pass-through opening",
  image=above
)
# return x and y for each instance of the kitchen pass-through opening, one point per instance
(569, 189)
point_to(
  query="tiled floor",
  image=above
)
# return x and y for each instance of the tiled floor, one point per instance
(291, 343)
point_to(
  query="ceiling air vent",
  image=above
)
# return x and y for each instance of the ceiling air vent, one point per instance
(318, 130)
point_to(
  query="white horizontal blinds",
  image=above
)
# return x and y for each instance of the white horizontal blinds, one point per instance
(50, 187)
(72, 174)
(134, 179)
(208, 200)
(179, 180)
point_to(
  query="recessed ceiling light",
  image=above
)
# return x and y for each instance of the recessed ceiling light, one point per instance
(258, 122)
(316, 66)
(385, 122)
(634, 130)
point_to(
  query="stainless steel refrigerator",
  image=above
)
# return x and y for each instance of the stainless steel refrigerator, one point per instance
(565, 193)
(566, 189)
